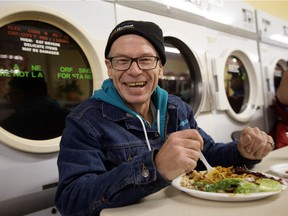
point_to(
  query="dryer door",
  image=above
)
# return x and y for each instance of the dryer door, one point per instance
(273, 75)
(44, 75)
(182, 75)
(237, 85)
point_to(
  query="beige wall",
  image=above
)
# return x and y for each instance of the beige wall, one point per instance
(275, 7)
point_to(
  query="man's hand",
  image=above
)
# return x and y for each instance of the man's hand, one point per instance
(179, 154)
(254, 144)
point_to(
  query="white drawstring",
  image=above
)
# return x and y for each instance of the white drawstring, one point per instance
(144, 128)
(158, 121)
(145, 132)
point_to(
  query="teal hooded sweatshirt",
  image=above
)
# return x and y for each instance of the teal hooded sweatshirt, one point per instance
(109, 94)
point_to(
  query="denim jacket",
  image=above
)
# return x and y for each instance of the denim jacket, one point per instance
(104, 161)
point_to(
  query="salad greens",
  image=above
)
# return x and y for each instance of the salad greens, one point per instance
(230, 180)
(238, 185)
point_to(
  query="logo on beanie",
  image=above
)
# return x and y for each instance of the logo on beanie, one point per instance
(120, 28)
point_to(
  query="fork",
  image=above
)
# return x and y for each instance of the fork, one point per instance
(207, 165)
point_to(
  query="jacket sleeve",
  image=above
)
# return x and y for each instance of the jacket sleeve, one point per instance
(88, 184)
(219, 154)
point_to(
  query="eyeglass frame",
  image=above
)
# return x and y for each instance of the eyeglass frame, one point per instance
(156, 59)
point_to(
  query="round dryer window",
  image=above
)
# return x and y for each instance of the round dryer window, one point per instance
(182, 76)
(236, 84)
(43, 75)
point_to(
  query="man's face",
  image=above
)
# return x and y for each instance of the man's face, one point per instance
(134, 85)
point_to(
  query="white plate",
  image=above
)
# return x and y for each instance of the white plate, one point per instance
(226, 196)
(280, 169)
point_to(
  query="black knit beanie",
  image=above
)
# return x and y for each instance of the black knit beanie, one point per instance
(148, 30)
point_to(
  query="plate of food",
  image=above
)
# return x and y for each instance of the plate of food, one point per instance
(280, 169)
(229, 184)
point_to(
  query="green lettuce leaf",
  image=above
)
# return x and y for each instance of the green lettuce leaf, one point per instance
(269, 185)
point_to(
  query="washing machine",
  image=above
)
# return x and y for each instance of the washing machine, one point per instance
(185, 72)
(51, 59)
(234, 68)
(273, 50)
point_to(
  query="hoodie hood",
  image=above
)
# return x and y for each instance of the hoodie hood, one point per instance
(109, 94)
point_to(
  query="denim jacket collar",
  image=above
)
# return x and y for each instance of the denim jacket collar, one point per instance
(116, 114)
(113, 113)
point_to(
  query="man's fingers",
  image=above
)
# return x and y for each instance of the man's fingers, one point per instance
(187, 137)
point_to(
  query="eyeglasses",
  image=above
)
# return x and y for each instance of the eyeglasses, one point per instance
(124, 63)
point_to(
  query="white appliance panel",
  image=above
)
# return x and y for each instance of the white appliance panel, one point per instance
(237, 14)
(26, 169)
(270, 57)
(273, 51)
(272, 30)
(231, 31)
(220, 46)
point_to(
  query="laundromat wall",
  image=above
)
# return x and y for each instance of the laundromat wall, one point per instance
(275, 8)
(214, 41)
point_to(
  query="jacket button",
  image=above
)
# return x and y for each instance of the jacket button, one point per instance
(156, 135)
(145, 171)
(129, 157)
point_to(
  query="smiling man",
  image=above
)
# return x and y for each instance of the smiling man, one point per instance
(132, 138)
(125, 69)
